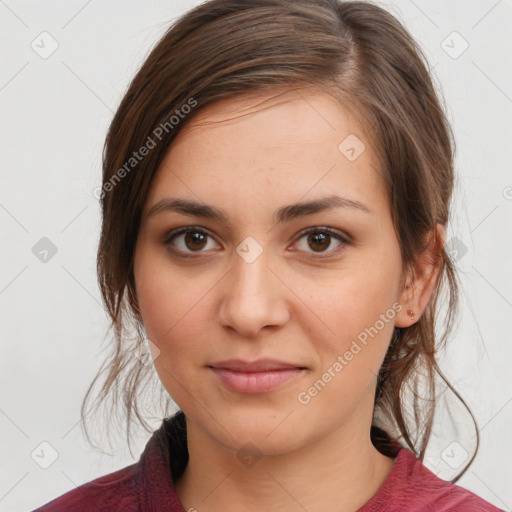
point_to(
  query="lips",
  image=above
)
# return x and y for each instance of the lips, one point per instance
(259, 376)
(261, 365)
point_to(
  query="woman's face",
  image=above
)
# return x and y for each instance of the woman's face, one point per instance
(247, 282)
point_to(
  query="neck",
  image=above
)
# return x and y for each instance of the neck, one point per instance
(338, 473)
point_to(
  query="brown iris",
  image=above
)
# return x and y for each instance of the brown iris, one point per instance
(197, 240)
(321, 240)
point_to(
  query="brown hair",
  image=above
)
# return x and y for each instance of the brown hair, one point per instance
(358, 53)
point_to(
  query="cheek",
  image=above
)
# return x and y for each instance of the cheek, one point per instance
(156, 287)
(175, 308)
(359, 311)
(359, 314)
(170, 308)
(169, 305)
(164, 292)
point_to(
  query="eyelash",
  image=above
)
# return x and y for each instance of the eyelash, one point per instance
(169, 238)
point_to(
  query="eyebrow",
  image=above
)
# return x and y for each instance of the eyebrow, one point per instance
(284, 214)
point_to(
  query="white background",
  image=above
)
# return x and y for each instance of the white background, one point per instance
(54, 114)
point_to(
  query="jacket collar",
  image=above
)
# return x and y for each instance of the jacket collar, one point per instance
(158, 470)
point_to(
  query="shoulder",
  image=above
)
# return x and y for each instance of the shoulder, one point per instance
(145, 485)
(428, 488)
(411, 486)
(117, 491)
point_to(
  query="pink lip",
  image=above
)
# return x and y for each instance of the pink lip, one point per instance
(261, 365)
(255, 377)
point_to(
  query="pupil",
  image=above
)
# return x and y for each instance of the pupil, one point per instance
(195, 238)
(321, 239)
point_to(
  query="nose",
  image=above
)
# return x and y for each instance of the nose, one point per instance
(253, 297)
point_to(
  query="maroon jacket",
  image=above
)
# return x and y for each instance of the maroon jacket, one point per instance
(147, 486)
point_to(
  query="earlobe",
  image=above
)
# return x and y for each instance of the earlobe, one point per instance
(421, 285)
(409, 312)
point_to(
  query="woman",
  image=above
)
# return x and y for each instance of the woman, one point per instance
(276, 191)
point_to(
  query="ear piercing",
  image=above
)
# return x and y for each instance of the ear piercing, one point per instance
(410, 312)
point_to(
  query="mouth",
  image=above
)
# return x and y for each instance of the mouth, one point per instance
(257, 376)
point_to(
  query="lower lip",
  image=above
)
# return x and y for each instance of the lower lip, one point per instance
(255, 382)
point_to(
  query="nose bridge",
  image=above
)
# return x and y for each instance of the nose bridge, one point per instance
(251, 297)
(250, 272)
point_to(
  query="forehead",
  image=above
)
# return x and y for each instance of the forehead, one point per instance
(294, 113)
(287, 144)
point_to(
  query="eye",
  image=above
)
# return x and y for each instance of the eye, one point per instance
(320, 239)
(188, 240)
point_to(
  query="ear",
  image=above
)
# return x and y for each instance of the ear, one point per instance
(419, 287)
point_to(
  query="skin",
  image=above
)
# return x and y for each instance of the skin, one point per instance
(298, 301)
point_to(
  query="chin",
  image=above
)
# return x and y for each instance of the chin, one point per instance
(268, 432)
(262, 443)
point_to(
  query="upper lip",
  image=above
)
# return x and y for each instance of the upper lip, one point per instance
(261, 365)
